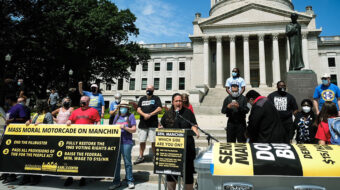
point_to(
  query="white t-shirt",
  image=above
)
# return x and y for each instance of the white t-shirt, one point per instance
(238, 80)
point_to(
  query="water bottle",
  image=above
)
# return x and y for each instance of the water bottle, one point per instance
(102, 121)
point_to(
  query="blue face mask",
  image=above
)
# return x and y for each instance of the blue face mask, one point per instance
(234, 74)
(123, 110)
(325, 82)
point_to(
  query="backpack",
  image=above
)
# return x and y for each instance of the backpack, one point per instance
(334, 129)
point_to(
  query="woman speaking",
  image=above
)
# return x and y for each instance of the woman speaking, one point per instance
(179, 117)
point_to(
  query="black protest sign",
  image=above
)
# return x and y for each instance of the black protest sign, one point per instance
(60, 150)
(170, 151)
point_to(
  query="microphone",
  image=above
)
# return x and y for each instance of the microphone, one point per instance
(177, 112)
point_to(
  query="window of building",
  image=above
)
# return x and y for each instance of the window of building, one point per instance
(120, 84)
(182, 66)
(145, 67)
(169, 66)
(168, 83)
(157, 66)
(132, 84)
(156, 83)
(133, 68)
(331, 62)
(181, 84)
(144, 83)
(334, 80)
(108, 87)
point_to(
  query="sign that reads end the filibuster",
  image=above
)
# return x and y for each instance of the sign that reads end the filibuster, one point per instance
(170, 151)
(60, 150)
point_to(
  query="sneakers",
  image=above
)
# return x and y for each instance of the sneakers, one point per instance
(139, 160)
(68, 181)
(115, 186)
(131, 185)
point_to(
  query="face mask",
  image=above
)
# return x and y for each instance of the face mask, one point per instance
(249, 105)
(149, 92)
(306, 109)
(19, 83)
(117, 101)
(21, 103)
(123, 110)
(66, 104)
(234, 74)
(93, 90)
(235, 94)
(82, 104)
(325, 82)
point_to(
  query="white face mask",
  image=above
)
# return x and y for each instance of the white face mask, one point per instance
(235, 94)
(249, 105)
(306, 109)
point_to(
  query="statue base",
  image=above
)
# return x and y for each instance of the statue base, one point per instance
(301, 84)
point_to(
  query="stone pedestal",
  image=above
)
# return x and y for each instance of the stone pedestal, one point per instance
(301, 84)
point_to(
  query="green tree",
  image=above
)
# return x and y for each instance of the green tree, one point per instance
(91, 37)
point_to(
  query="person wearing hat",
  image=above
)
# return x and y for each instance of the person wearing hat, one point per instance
(96, 99)
(326, 92)
(127, 123)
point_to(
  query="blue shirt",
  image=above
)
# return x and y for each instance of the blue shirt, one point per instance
(113, 106)
(96, 101)
(237, 80)
(329, 93)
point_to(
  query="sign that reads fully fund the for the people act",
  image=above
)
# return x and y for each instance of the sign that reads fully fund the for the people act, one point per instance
(76, 150)
(308, 160)
(170, 151)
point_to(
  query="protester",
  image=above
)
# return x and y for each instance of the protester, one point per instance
(286, 105)
(96, 99)
(127, 123)
(326, 92)
(235, 107)
(186, 102)
(169, 120)
(235, 79)
(64, 112)
(83, 115)
(264, 124)
(21, 88)
(148, 107)
(43, 116)
(53, 100)
(16, 114)
(305, 124)
(114, 106)
(329, 110)
(22, 101)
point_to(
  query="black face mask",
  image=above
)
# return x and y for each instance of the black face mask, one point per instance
(94, 90)
(281, 90)
(66, 104)
(82, 104)
(149, 92)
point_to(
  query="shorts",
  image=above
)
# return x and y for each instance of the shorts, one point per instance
(147, 134)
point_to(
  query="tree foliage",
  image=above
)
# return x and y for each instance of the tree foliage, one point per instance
(48, 38)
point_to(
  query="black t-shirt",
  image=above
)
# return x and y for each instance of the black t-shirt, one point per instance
(306, 129)
(148, 106)
(285, 104)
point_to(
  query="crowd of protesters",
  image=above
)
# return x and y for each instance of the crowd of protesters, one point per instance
(272, 119)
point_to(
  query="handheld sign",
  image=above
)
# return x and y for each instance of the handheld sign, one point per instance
(57, 150)
(308, 160)
(170, 151)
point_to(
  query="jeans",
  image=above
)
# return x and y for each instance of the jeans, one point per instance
(125, 150)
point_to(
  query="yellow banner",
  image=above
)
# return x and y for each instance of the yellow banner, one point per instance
(64, 130)
(232, 159)
(319, 160)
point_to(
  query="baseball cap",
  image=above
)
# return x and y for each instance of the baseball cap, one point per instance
(94, 85)
(325, 75)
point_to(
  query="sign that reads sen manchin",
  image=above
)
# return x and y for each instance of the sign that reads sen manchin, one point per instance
(60, 150)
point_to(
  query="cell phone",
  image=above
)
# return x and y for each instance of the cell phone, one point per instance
(233, 101)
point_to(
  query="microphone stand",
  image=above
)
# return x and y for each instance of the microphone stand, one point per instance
(209, 137)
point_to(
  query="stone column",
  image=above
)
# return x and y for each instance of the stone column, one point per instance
(276, 60)
(246, 59)
(232, 52)
(138, 80)
(219, 62)
(151, 71)
(305, 49)
(262, 61)
(206, 60)
(287, 54)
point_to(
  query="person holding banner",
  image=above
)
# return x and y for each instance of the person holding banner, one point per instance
(64, 112)
(127, 123)
(178, 117)
(83, 115)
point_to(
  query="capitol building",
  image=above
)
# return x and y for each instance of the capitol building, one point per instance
(248, 34)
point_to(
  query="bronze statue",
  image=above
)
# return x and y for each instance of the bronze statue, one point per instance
(293, 31)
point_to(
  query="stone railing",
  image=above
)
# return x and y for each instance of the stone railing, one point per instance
(168, 45)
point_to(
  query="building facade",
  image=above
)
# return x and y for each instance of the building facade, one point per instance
(248, 34)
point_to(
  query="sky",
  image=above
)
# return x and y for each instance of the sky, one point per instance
(168, 21)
